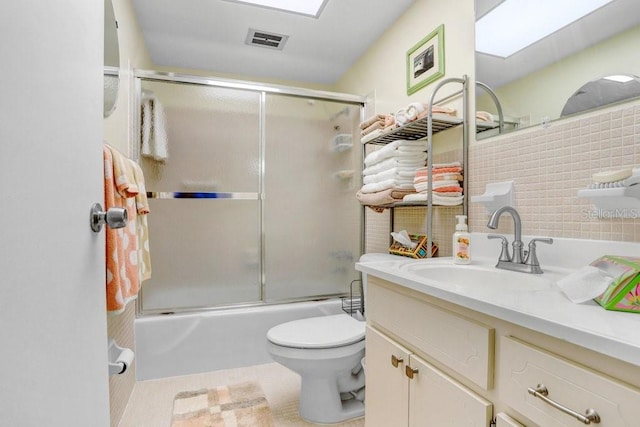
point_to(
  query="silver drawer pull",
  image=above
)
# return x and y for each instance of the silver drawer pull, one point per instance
(541, 392)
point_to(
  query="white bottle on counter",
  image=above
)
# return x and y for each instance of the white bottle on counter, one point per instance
(461, 241)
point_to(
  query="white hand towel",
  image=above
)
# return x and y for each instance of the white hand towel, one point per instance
(379, 177)
(154, 133)
(380, 167)
(414, 109)
(378, 186)
(381, 154)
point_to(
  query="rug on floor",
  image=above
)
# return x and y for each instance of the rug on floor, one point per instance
(237, 405)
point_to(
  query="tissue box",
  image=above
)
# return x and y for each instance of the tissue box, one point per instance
(624, 293)
(420, 250)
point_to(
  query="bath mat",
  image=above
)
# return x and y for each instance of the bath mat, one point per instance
(237, 405)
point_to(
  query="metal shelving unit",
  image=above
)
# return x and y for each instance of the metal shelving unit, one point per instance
(426, 127)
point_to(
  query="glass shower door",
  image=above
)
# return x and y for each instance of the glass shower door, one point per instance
(205, 209)
(312, 220)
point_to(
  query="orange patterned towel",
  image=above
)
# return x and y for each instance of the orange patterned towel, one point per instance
(122, 190)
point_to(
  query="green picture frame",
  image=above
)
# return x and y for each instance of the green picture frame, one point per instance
(425, 61)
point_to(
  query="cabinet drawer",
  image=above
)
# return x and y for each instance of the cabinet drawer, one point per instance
(573, 386)
(457, 342)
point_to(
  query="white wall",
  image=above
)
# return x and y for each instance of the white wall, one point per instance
(382, 69)
(53, 361)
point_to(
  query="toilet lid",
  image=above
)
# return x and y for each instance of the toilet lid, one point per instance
(318, 332)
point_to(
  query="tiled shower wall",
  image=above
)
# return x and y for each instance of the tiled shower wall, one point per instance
(548, 167)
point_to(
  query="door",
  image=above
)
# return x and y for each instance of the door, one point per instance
(386, 388)
(436, 399)
(53, 362)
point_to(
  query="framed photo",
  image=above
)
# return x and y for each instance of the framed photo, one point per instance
(425, 61)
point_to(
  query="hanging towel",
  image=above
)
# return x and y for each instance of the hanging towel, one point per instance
(127, 255)
(142, 226)
(153, 128)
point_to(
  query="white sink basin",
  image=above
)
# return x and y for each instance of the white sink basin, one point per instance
(484, 277)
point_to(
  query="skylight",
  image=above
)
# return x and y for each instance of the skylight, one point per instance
(304, 7)
(516, 24)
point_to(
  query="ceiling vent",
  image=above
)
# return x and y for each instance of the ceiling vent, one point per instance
(265, 39)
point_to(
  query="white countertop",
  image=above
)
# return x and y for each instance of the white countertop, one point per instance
(549, 311)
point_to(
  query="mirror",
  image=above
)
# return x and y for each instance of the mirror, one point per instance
(111, 59)
(534, 84)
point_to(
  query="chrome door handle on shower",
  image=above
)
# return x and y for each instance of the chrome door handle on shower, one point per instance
(114, 217)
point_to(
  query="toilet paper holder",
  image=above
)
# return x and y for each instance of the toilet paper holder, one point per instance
(120, 358)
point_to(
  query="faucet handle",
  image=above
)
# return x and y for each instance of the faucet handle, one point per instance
(504, 254)
(532, 258)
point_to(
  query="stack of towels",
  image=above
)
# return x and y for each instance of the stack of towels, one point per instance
(418, 110)
(377, 125)
(446, 187)
(390, 172)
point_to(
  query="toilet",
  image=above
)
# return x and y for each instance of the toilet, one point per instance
(327, 352)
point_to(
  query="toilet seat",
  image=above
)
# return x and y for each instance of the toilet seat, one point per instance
(318, 332)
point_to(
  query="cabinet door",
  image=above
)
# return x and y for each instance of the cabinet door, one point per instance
(387, 391)
(504, 420)
(436, 399)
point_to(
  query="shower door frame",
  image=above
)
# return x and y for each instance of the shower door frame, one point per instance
(139, 75)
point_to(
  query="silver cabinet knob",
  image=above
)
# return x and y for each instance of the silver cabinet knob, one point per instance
(114, 217)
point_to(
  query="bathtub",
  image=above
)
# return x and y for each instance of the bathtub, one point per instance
(181, 344)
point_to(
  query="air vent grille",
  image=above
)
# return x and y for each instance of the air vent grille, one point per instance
(266, 39)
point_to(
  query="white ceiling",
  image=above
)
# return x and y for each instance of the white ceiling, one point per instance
(210, 35)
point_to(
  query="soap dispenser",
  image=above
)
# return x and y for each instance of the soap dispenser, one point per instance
(461, 241)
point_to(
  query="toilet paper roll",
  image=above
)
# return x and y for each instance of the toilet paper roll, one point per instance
(125, 359)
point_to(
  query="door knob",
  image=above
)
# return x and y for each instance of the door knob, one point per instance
(114, 217)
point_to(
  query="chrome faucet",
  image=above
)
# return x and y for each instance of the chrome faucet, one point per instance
(521, 260)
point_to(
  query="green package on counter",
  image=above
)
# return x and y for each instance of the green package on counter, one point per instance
(624, 293)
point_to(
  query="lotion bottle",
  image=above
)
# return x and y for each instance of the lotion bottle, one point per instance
(461, 241)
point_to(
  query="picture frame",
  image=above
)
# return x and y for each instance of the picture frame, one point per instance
(425, 61)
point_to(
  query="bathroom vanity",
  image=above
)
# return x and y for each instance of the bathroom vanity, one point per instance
(473, 345)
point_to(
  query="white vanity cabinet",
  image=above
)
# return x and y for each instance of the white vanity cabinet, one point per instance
(472, 369)
(402, 388)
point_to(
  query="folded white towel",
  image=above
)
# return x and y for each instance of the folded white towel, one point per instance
(378, 186)
(411, 161)
(401, 117)
(409, 173)
(406, 186)
(380, 167)
(380, 176)
(414, 109)
(412, 148)
(381, 154)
